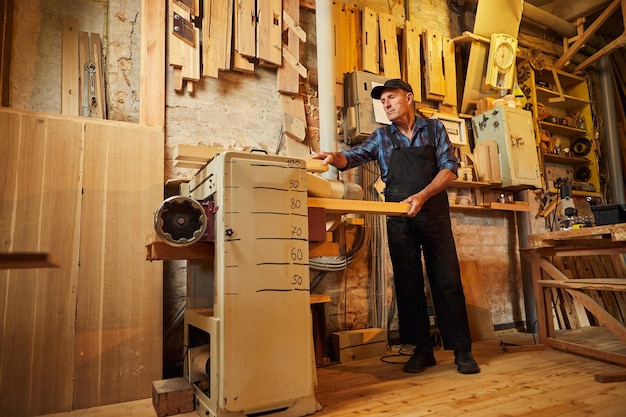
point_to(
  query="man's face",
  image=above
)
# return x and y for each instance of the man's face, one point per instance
(396, 103)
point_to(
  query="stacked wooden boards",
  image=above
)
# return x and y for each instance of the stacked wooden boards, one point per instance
(88, 332)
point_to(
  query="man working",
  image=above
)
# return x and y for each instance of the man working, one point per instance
(417, 163)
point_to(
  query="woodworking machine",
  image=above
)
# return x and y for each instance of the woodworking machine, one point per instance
(248, 331)
(249, 348)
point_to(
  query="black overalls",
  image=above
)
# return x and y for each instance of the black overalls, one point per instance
(410, 170)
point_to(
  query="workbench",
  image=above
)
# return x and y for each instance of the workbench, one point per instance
(543, 251)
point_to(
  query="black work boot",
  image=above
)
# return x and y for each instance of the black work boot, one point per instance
(419, 360)
(465, 362)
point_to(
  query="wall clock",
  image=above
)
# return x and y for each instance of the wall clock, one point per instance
(500, 65)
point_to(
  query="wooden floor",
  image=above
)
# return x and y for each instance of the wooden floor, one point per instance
(542, 383)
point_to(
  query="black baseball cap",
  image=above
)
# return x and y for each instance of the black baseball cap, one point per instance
(393, 83)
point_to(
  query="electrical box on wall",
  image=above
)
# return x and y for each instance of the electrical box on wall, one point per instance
(512, 129)
(359, 117)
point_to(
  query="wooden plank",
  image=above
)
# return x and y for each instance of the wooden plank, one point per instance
(389, 56)
(70, 88)
(294, 117)
(119, 293)
(152, 103)
(342, 41)
(269, 32)
(369, 39)
(288, 78)
(245, 28)
(476, 301)
(435, 86)
(315, 165)
(449, 72)
(199, 153)
(216, 37)
(349, 46)
(598, 284)
(412, 62)
(341, 206)
(604, 377)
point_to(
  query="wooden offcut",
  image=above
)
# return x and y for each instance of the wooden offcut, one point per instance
(476, 301)
(449, 72)
(412, 65)
(183, 56)
(389, 57)
(369, 40)
(245, 27)
(433, 70)
(269, 45)
(216, 36)
(294, 117)
(361, 344)
(173, 396)
(347, 31)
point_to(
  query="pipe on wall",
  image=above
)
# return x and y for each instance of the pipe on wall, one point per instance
(612, 152)
(326, 80)
(538, 15)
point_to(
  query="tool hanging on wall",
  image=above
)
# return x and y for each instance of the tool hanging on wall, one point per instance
(92, 99)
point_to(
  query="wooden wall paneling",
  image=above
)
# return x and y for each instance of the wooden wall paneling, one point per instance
(412, 58)
(369, 39)
(269, 32)
(389, 46)
(119, 326)
(20, 314)
(41, 198)
(9, 148)
(449, 72)
(55, 291)
(69, 78)
(288, 78)
(152, 80)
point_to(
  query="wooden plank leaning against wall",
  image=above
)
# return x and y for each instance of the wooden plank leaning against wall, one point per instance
(89, 332)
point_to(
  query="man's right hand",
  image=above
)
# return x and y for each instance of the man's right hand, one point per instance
(336, 159)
